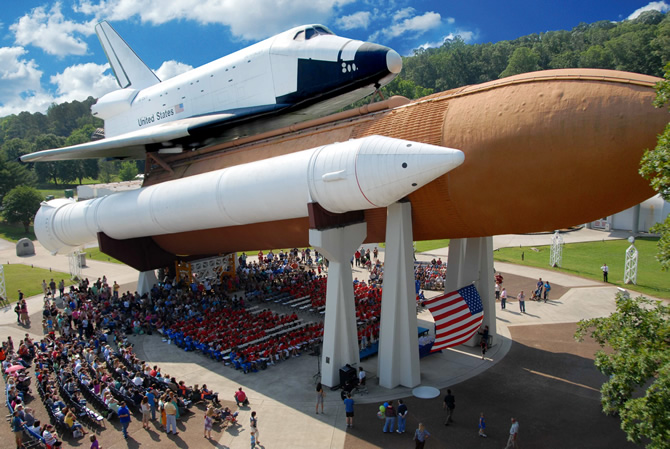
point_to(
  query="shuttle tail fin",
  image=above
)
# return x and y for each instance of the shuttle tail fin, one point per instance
(127, 66)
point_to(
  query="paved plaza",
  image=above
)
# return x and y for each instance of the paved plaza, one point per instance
(535, 372)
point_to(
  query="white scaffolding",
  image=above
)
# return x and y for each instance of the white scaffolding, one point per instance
(75, 265)
(630, 270)
(556, 254)
(3, 286)
(213, 267)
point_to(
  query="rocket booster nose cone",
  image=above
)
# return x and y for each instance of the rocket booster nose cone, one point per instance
(390, 169)
(393, 61)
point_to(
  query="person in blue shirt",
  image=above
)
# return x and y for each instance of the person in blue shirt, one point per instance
(17, 428)
(349, 410)
(124, 418)
(420, 436)
(152, 403)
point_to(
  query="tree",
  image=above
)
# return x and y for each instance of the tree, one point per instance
(13, 174)
(128, 171)
(637, 342)
(20, 205)
(655, 166)
(107, 170)
(47, 171)
(522, 60)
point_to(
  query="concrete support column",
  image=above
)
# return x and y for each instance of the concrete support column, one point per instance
(635, 229)
(398, 362)
(471, 260)
(340, 337)
(146, 281)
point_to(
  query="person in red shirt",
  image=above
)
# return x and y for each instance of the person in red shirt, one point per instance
(241, 397)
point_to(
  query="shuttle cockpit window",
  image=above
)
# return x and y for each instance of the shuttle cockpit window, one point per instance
(323, 30)
(299, 36)
(309, 33)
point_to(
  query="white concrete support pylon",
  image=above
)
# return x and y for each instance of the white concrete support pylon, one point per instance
(398, 340)
(340, 337)
(146, 281)
(471, 260)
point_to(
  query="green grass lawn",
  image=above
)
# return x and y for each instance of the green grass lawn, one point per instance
(585, 259)
(58, 191)
(29, 280)
(14, 232)
(96, 254)
(427, 245)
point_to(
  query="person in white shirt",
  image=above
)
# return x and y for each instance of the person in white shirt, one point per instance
(513, 441)
(137, 380)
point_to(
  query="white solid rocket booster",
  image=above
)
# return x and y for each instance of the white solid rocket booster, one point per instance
(366, 173)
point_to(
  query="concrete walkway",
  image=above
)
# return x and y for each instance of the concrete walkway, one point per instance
(284, 395)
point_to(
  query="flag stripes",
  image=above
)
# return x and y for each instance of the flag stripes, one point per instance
(458, 315)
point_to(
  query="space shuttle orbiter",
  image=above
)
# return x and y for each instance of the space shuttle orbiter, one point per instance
(300, 74)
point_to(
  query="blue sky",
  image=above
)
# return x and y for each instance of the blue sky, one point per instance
(49, 52)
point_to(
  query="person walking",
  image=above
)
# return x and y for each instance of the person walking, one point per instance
(171, 418)
(253, 423)
(17, 311)
(513, 440)
(320, 394)
(151, 398)
(449, 404)
(349, 410)
(547, 288)
(484, 342)
(390, 414)
(503, 298)
(146, 412)
(124, 418)
(522, 301)
(25, 319)
(420, 436)
(17, 429)
(606, 270)
(402, 416)
(482, 425)
(209, 421)
(161, 406)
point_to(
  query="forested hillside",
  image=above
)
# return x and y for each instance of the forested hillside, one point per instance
(641, 45)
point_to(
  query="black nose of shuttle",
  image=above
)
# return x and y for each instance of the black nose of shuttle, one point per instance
(383, 59)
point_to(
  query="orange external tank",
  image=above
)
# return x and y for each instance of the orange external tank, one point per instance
(543, 150)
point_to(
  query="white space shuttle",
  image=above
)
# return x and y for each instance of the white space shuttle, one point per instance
(300, 74)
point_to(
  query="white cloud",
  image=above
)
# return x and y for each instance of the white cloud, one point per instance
(360, 19)
(20, 88)
(652, 6)
(171, 69)
(403, 14)
(265, 18)
(50, 31)
(80, 81)
(416, 25)
(467, 36)
(451, 20)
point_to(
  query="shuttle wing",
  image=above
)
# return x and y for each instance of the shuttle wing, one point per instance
(174, 134)
(130, 145)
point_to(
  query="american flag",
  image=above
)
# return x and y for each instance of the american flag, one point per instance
(458, 315)
(179, 108)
